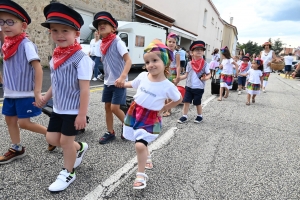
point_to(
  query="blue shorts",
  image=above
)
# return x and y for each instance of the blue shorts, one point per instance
(193, 95)
(288, 68)
(22, 107)
(114, 95)
(242, 80)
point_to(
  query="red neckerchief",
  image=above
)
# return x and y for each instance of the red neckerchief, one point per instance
(243, 66)
(197, 65)
(61, 54)
(106, 42)
(11, 45)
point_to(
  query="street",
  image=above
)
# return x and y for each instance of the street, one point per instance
(237, 152)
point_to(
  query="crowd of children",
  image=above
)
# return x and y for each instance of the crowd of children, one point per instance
(71, 71)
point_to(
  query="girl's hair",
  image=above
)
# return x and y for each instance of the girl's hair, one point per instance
(259, 62)
(215, 51)
(226, 53)
(242, 52)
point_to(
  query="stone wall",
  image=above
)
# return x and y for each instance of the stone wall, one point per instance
(120, 9)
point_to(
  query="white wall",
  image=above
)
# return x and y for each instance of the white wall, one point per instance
(190, 17)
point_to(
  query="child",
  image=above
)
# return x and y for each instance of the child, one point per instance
(95, 55)
(197, 72)
(255, 79)
(71, 71)
(243, 69)
(226, 79)
(214, 62)
(237, 60)
(174, 73)
(143, 123)
(117, 63)
(22, 78)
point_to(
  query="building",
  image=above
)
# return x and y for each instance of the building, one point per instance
(230, 36)
(195, 20)
(120, 9)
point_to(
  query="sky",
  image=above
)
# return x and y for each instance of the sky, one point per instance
(259, 20)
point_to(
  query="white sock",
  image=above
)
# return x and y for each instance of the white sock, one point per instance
(17, 147)
(200, 115)
(184, 116)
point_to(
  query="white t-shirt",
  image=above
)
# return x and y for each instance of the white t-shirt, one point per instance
(152, 95)
(85, 72)
(215, 57)
(254, 76)
(193, 80)
(288, 60)
(227, 66)
(95, 48)
(266, 59)
(31, 55)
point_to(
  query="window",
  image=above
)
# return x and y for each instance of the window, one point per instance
(212, 20)
(124, 38)
(216, 24)
(221, 36)
(218, 33)
(139, 41)
(205, 17)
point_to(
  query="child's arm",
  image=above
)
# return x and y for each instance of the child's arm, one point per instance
(177, 69)
(80, 121)
(128, 84)
(170, 105)
(183, 76)
(38, 81)
(205, 77)
(236, 68)
(121, 80)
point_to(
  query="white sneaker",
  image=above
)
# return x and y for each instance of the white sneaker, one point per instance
(94, 79)
(240, 92)
(99, 76)
(80, 154)
(63, 180)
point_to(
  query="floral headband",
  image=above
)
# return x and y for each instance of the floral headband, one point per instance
(174, 36)
(223, 49)
(259, 61)
(166, 54)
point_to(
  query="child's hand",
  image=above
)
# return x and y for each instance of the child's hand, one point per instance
(176, 80)
(120, 82)
(203, 77)
(80, 122)
(161, 111)
(39, 101)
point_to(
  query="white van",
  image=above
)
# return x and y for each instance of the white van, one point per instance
(136, 36)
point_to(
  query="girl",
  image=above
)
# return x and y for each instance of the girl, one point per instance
(241, 54)
(268, 56)
(226, 78)
(255, 78)
(243, 69)
(142, 122)
(174, 72)
(214, 62)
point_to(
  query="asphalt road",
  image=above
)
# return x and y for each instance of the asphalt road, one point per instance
(237, 152)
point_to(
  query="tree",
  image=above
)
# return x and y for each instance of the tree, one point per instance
(250, 47)
(277, 46)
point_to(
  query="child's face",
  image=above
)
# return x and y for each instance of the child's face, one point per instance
(197, 52)
(254, 65)
(153, 63)
(171, 43)
(105, 28)
(235, 59)
(16, 29)
(245, 61)
(63, 35)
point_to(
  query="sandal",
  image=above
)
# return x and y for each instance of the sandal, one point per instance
(141, 180)
(253, 100)
(166, 114)
(248, 103)
(149, 164)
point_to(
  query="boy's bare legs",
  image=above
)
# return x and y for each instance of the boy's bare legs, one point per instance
(199, 109)
(186, 107)
(13, 129)
(118, 112)
(109, 117)
(31, 126)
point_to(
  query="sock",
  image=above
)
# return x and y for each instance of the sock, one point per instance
(184, 116)
(17, 147)
(200, 115)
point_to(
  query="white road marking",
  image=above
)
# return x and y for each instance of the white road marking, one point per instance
(107, 186)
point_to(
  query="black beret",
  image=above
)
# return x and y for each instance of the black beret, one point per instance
(14, 9)
(57, 13)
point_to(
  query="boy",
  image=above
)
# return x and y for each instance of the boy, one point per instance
(71, 71)
(22, 78)
(116, 63)
(243, 69)
(197, 72)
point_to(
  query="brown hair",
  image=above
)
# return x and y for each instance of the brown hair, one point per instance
(226, 53)
(215, 51)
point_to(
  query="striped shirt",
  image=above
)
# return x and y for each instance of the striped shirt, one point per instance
(173, 63)
(18, 73)
(65, 82)
(113, 62)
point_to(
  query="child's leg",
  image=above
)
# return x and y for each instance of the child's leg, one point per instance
(118, 112)
(199, 109)
(149, 164)
(142, 153)
(109, 117)
(221, 94)
(226, 92)
(70, 149)
(248, 99)
(185, 109)
(31, 126)
(13, 129)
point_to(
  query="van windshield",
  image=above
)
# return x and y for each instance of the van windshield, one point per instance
(88, 39)
(124, 38)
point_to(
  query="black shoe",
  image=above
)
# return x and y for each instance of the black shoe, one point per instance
(198, 119)
(107, 137)
(182, 120)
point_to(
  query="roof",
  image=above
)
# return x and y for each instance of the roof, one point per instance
(151, 17)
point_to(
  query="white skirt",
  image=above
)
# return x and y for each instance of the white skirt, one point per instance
(140, 134)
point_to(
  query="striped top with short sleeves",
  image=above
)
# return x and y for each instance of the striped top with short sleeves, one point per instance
(65, 81)
(113, 62)
(18, 73)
